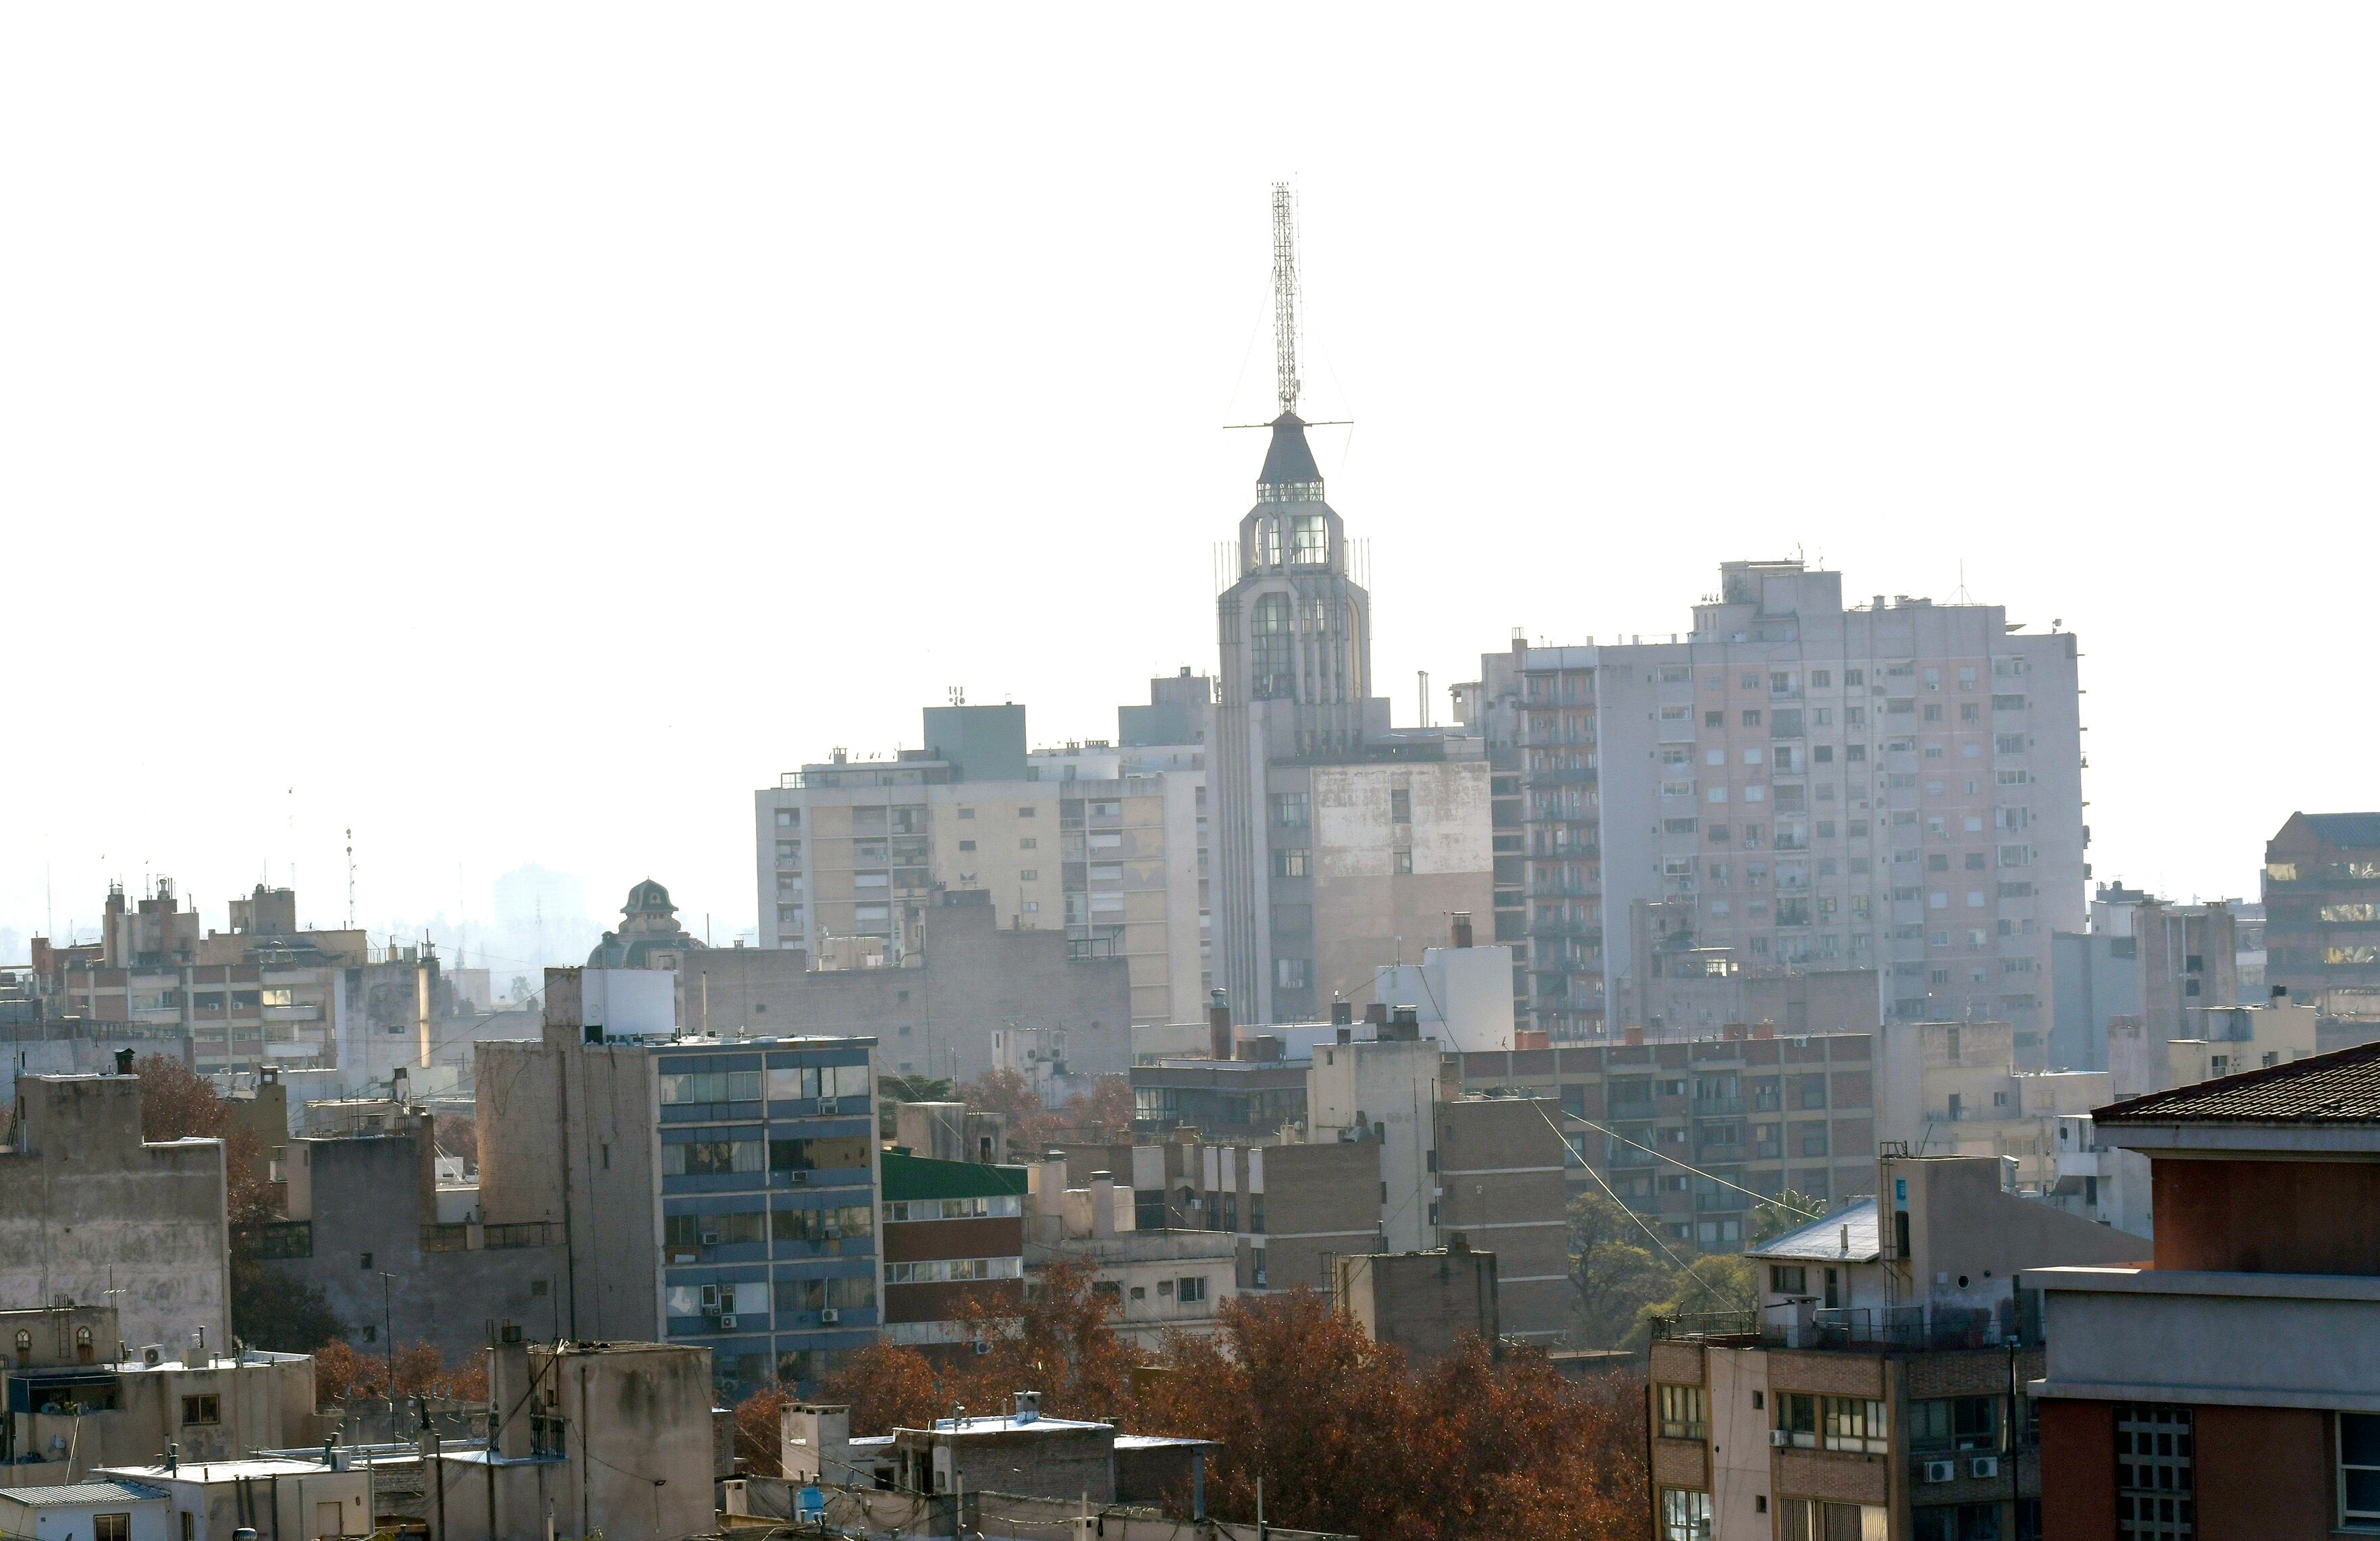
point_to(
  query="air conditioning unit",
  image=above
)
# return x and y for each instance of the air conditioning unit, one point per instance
(726, 1322)
(830, 1232)
(1780, 1438)
(1942, 1471)
(828, 1105)
(684, 1257)
(829, 1316)
(798, 1177)
(710, 1238)
(1984, 1466)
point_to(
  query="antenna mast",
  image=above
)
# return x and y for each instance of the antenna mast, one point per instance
(1284, 298)
(351, 879)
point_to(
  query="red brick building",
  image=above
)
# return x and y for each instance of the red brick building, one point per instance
(2233, 1388)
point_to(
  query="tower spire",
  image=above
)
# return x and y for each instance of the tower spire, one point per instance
(1284, 298)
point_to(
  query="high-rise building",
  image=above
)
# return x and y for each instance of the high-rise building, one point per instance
(1104, 843)
(1895, 786)
(2322, 904)
(1339, 845)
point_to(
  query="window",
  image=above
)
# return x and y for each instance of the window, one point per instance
(116, 1526)
(1797, 1414)
(1290, 863)
(1788, 1281)
(713, 1158)
(818, 1155)
(1751, 719)
(1271, 671)
(1190, 1289)
(2152, 1473)
(1400, 806)
(1289, 973)
(1291, 809)
(1955, 1522)
(2359, 1468)
(1711, 719)
(1685, 1515)
(1683, 1414)
(1309, 541)
(1954, 1424)
(1857, 1424)
(1854, 677)
(1816, 1520)
(1401, 860)
(205, 1408)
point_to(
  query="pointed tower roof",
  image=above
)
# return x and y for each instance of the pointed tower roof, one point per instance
(1289, 461)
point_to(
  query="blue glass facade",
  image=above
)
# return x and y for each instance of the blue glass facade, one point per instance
(769, 1203)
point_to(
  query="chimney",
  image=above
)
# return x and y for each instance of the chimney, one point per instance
(1377, 1013)
(1219, 1027)
(1103, 1204)
(123, 1061)
(1028, 1406)
(1343, 1012)
(1404, 1024)
(1462, 928)
(1633, 1037)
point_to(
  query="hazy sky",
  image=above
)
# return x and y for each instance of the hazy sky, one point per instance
(518, 432)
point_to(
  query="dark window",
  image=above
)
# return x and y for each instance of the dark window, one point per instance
(201, 1410)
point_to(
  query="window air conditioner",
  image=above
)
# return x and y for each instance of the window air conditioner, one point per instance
(799, 1177)
(1942, 1471)
(726, 1322)
(828, 1105)
(1984, 1466)
(1780, 1438)
(829, 1316)
(830, 1231)
(710, 1238)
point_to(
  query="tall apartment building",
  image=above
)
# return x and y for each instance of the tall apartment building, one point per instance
(2322, 904)
(1339, 845)
(1895, 786)
(721, 1194)
(1101, 842)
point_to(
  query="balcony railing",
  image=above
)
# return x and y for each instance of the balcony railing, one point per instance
(1718, 1106)
(1902, 1328)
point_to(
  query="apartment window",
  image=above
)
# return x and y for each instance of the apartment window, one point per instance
(967, 844)
(1856, 1424)
(1401, 860)
(1289, 973)
(201, 1410)
(1290, 863)
(2153, 1465)
(116, 1526)
(1954, 1424)
(1969, 713)
(1682, 1412)
(1291, 809)
(1751, 719)
(1797, 1414)
(1712, 718)
(1955, 1522)
(1400, 806)
(789, 818)
(1190, 1289)
(1854, 677)
(1821, 678)
(1788, 1281)
(1816, 1520)
(1685, 1514)
(1029, 842)
(2359, 1468)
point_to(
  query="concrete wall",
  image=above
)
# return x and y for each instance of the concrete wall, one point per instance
(1967, 1237)
(86, 1207)
(1321, 1201)
(1387, 1091)
(1364, 914)
(369, 1197)
(2093, 979)
(936, 1019)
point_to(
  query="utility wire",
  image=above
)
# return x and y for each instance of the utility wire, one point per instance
(1683, 1268)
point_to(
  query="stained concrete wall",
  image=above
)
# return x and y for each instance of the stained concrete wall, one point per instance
(936, 1019)
(367, 1198)
(86, 1207)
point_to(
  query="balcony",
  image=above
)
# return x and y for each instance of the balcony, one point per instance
(1898, 1328)
(1718, 1106)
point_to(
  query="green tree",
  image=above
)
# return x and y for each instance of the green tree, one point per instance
(1707, 1286)
(1771, 1218)
(1613, 1273)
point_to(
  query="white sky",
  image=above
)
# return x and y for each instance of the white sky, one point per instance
(524, 430)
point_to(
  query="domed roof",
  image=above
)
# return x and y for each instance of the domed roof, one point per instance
(649, 898)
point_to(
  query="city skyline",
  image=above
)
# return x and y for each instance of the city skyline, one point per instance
(536, 631)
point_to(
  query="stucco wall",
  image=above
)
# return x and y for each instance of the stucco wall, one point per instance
(2265, 1217)
(87, 1206)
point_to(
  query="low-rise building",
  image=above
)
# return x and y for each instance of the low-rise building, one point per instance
(1424, 1304)
(2231, 1385)
(953, 1239)
(1874, 1392)
(277, 1497)
(106, 1509)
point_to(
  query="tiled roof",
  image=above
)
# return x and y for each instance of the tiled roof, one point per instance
(1822, 1239)
(2353, 829)
(2339, 1088)
(68, 1493)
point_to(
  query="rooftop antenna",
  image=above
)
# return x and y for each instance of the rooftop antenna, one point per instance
(1284, 297)
(1959, 594)
(351, 879)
